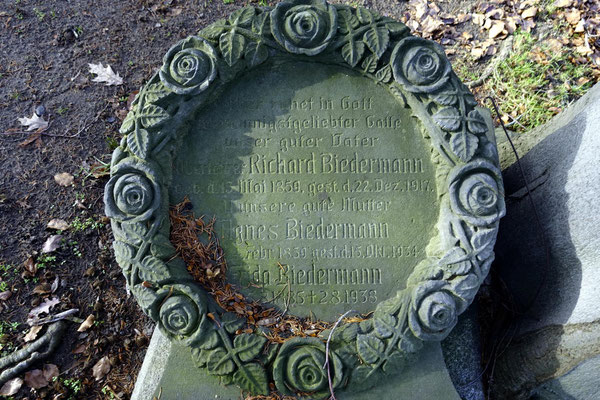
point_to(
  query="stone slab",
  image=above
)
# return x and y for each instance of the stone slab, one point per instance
(168, 370)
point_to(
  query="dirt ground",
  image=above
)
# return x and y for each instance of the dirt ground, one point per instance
(45, 50)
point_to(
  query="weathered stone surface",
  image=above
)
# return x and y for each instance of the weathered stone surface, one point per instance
(558, 300)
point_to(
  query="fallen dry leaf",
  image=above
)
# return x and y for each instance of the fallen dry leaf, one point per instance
(30, 266)
(52, 243)
(59, 224)
(573, 16)
(580, 27)
(562, 3)
(34, 123)
(64, 179)
(478, 19)
(45, 307)
(35, 379)
(5, 295)
(529, 12)
(11, 387)
(496, 29)
(85, 325)
(50, 372)
(105, 74)
(33, 333)
(101, 368)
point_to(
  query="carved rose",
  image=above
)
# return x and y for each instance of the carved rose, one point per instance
(299, 368)
(476, 193)
(304, 26)
(179, 315)
(420, 65)
(132, 194)
(189, 66)
(433, 311)
(183, 314)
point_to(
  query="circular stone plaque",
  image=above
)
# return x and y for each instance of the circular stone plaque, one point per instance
(343, 161)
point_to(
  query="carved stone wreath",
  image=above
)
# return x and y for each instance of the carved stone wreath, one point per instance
(442, 285)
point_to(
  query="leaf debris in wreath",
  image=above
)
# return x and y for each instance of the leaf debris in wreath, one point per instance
(197, 244)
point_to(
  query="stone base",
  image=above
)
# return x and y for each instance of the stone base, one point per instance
(168, 370)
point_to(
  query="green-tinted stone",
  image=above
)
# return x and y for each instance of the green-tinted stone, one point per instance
(315, 175)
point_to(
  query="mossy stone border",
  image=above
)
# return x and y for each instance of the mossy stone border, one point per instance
(468, 181)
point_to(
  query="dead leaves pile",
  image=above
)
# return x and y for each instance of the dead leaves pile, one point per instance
(485, 24)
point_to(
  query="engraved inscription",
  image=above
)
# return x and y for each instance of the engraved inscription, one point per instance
(321, 185)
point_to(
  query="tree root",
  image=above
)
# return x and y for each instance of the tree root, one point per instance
(21, 360)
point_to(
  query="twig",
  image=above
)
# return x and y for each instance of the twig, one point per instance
(326, 364)
(502, 55)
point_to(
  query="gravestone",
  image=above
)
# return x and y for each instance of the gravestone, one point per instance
(348, 171)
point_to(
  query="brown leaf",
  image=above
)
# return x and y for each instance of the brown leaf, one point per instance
(35, 379)
(101, 368)
(529, 12)
(50, 372)
(45, 307)
(64, 179)
(59, 224)
(496, 29)
(562, 3)
(79, 349)
(11, 387)
(573, 16)
(52, 243)
(85, 325)
(5, 295)
(42, 288)
(33, 333)
(580, 27)
(30, 266)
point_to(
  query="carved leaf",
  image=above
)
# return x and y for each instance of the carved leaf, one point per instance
(256, 53)
(252, 377)
(482, 242)
(211, 340)
(409, 343)
(213, 31)
(349, 333)
(220, 363)
(134, 232)
(248, 346)
(366, 325)
(384, 74)
(226, 380)
(369, 64)
(365, 16)
(199, 356)
(260, 24)
(145, 297)
(448, 118)
(161, 247)
(361, 374)
(228, 73)
(232, 46)
(476, 123)
(448, 98)
(464, 145)
(123, 252)
(370, 349)
(153, 115)
(347, 21)
(385, 325)
(353, 51)
(377, 39)
(128, 123)
(242, 17)
(396, 28)
(153, 270)
(138, 142)
(155, 92)
(398, 95)
(231, 322)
